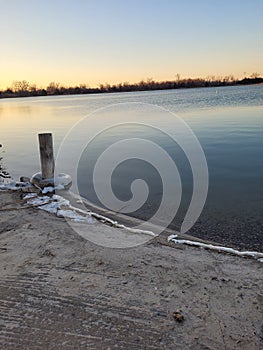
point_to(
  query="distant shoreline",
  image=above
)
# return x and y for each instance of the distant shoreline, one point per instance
(24, 89)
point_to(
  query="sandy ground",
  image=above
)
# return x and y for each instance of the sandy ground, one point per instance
(59, 291)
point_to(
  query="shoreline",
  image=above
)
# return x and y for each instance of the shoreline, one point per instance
(97, 91)
(80, 209)
(199, 232)
(60, 290)
(130, 221)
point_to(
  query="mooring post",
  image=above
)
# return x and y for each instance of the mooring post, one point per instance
(45, 178)
(46, 155)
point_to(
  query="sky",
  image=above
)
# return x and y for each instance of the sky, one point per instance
(110, 41)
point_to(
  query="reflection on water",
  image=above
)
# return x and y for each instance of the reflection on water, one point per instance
(228, 122)
(131, 169)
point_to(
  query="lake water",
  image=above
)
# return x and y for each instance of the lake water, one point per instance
(228, 122)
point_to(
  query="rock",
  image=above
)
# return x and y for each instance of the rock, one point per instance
(30, 189)
(178, 316)
(24, 179)
(5, 175)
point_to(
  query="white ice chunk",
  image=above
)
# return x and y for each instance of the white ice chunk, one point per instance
(59, 187)
(71, 214)
(30, 195)
(9, 185)
(51, 207)
(48, 189)
(61, 200)
(63, 181)
(38, 201)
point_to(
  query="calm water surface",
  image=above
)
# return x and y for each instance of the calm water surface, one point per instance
(228, 121)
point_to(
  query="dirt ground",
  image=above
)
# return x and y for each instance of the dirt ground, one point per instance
(60, 291)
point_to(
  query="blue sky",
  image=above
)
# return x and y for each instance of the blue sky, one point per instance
(82, 41)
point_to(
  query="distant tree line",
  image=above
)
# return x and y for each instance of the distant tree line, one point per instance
(25, 89)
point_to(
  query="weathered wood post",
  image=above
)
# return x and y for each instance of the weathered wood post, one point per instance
(46, 178)
(46, 155)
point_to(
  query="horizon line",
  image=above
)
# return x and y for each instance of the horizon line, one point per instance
(148, 80)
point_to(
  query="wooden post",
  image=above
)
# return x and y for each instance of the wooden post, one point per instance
(46, 155)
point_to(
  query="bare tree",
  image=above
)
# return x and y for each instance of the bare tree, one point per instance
(53, 88)
(20, 86)
(255, 75)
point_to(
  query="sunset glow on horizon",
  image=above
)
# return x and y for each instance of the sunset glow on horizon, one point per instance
(87, 42)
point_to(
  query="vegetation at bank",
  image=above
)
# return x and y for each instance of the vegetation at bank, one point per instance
(25, 89)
